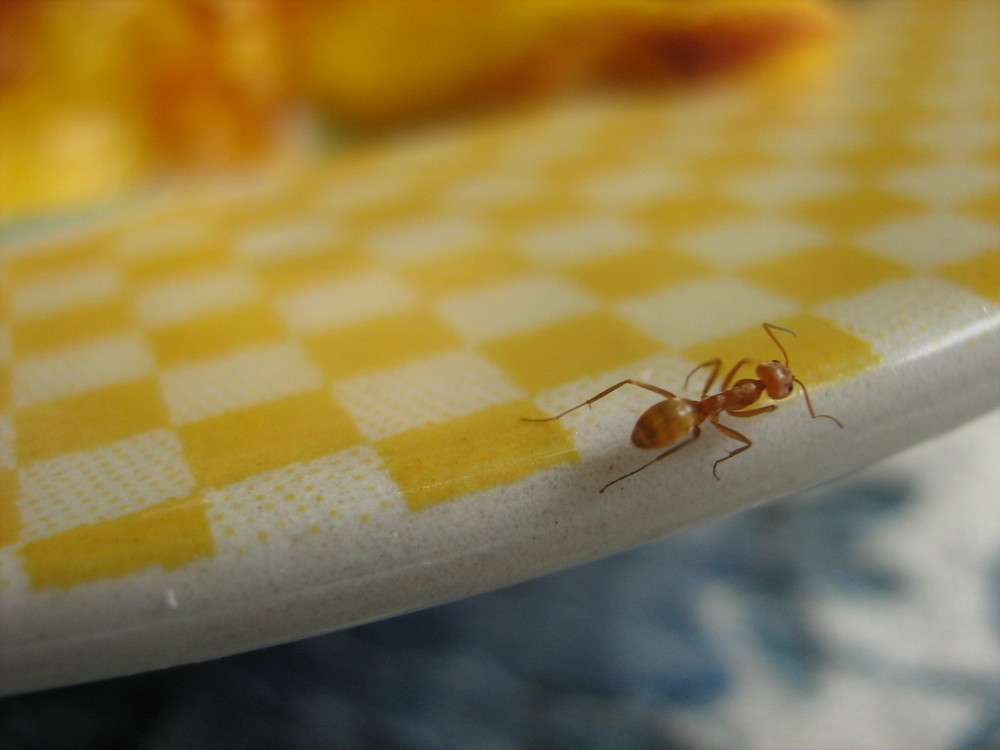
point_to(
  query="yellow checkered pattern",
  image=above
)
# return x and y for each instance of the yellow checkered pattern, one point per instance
(254, 363)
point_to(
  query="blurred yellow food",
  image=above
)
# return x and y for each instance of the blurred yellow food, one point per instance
(378, 63)
(98, 95)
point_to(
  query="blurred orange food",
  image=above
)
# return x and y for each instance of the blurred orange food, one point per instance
(98, 95)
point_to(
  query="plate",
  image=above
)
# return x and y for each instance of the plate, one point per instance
(246, 411)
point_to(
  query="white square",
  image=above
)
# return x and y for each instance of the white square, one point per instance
(910, 314)
(965, 137)
(946, 183)
(430, 390)
(537, 151)
(301, 500)
(720, 307)
(723, 112)
(638, 185)
(181, 300)
(680, 147)
(90, 486)
(403, 156)
(930, 240)
(7, 459)
(76, 369)
(513, 307)
(245, 378)
(64, 291)
(782, 187)
(972, 98)
(426, 238)
(343, 194)
(581, 239)
(247, 191)
(736, 244)
(812, 140)
(496, 188)
(287, 239)
(344, 301)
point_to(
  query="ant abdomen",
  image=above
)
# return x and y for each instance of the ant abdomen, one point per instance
(665, 423)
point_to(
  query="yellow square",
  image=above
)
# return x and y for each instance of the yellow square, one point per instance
(820, 353)
(553, 207)
(10, 516)
(880, 156)
(734, 154)
(569, 350)
(297, 270)
(368, 219)
(59, 259)
(85, 421)
(637, 273)
(813, 276)
(4, 387)
(857, 211)
(456, 272)
(240, 443)
(379, 343)
(281, 202)
(475, 452)
(699, 208)
(981, 274)
(171, 534)
(986, 205)
(214, 334)
(71, 327)
(199, 258)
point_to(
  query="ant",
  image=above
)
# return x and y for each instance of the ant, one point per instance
(675, 422)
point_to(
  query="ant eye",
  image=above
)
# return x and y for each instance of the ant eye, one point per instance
(789, 387)
(775, 361)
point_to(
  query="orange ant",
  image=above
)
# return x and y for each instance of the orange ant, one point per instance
(669, 422)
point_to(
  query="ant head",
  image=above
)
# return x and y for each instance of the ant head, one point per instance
(777, 378)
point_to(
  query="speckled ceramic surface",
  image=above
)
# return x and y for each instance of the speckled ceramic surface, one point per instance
(247, 412)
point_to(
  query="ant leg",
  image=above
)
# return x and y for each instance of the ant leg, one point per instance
(752, 412)
(602, 394)
(694, 436)
(729, 432)
(715, 364)
(809, 405)
(732, 373)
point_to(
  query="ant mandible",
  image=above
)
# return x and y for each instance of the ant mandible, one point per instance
(675, 422)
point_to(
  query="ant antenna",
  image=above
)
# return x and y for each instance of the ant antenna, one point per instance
(809, 404)
(770, 327)
(812, 412)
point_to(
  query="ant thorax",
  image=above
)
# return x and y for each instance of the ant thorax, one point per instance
(740, 395)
